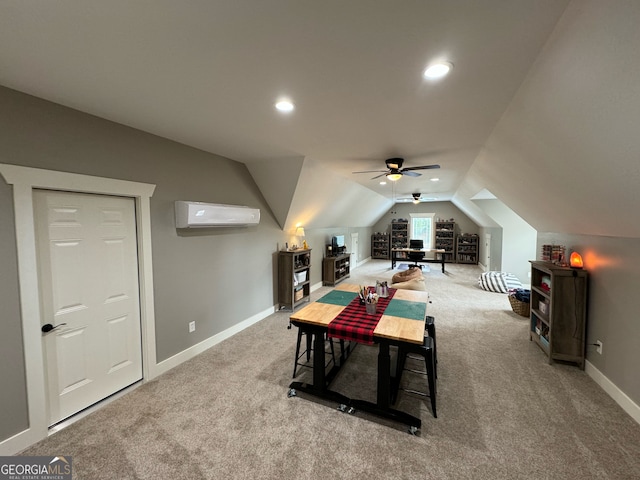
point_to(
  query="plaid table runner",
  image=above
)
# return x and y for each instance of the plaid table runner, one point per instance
(355, 324)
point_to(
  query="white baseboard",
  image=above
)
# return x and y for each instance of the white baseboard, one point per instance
(362, 262)
(621, 398)
(191, 352)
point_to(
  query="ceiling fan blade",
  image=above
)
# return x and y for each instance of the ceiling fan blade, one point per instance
(378, 176)
(410, 174)
(422, 167)
(371, 171)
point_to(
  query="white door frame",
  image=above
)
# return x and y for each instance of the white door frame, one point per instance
(354, 255)
(24, 180)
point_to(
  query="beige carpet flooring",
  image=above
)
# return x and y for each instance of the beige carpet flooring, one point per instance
(503, 411)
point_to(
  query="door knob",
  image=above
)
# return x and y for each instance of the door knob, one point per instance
(48, 327)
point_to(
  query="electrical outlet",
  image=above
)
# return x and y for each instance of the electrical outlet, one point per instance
(192, 327)
(599, 347)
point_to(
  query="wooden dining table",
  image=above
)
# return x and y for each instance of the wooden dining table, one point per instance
(399, 320)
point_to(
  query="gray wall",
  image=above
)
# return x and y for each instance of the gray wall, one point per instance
(216, 277)
(443, 210)
(13, 398)
(318, 238)
(518, 238)
(612, 264)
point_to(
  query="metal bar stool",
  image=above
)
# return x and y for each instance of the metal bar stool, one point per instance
(430, 330)
(308, 350)
(426, 352)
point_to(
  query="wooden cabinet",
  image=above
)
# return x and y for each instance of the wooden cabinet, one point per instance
(559, 311)
(335, 269)
(445, 240)
(380, 246)
(294, 278)
(400, 233)
(467, 249)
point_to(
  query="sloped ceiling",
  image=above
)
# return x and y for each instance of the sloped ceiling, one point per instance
(541, 107)
(564, 156)
(207, 74)
(277, 180)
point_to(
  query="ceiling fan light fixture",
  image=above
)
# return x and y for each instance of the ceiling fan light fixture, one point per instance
(285, 106)
(437, 70)
(394, 176)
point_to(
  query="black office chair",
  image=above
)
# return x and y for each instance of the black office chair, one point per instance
(418, 255)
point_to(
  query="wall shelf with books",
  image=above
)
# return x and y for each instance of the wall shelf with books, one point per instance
(467, 249)
(445, 239)
(400, 233)
(380, 245)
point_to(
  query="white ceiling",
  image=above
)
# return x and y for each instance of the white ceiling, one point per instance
(207, 74)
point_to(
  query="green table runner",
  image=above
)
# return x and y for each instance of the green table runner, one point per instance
(406, 309)
(338, 297)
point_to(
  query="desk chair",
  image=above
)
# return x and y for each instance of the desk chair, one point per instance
(417, 256)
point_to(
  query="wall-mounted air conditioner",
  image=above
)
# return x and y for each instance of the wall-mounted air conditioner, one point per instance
(198, 214)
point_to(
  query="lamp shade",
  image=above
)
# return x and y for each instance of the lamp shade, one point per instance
(394, 176)
(300, 232)
(576, 260)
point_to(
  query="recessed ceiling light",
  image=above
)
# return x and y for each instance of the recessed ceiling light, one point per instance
(285, 106)
(383, 183)
(438, 70)
(435, 179)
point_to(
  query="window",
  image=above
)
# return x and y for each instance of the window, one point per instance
(421, 227)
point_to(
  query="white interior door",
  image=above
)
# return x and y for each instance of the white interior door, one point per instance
(88, 275)
(487, 252)
(354, 250)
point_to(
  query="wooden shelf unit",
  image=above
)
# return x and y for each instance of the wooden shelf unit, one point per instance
(467, 249)
(445, 239)
(380, 246)
(558, 315)
(400, 233)
(294, 278)
(335, 269)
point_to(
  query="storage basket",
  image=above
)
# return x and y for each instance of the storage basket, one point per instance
(521, 308)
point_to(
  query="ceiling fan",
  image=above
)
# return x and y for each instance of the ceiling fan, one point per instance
(416, 198)
(395, 171)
